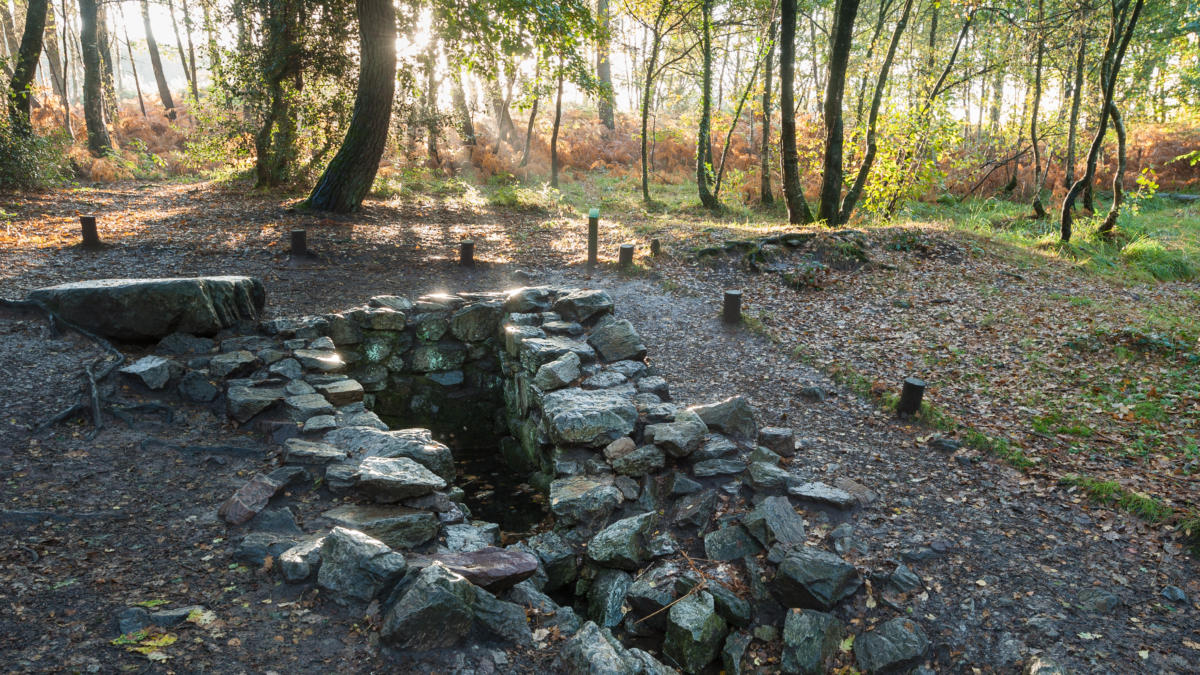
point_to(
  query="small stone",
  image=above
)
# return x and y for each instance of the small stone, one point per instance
(814, 579)
(1097, 600)
(390, 480)
(558, 373)
(398, 527)
(617, 341)
(490, 568)
(732, 416)
(180, 344)
(679, 438)
(644, 460)
(619, 448)
(304, 406)
(415, 444)
(467, 537)
(734, 650)
(323, 360)
(731, 542)
(623, 543)
(779, 440)
(775, 521)
(248, 500)
(530, 299)
(289, 368)
(396, 303)
(823, 494)
(194, 386)
(592, 418)
(558, 559)
(718, 467)
(682, 485)
(231, 363)
(604, 380)
(655, 385)
(356, 566)
(300, 562)
(319, 423)
(244, 402)
(153, 371)
(582, 499)
(308, 453)
(890, 646)
(582, 305)
(714, 446)
(299, 388)
(695, 509)
(814, 393)
(695, 632)
(341, 392)
(1174, 594)
(256, 547)
(904, 580)
(606, 597)
(476, 322)
(767, 476)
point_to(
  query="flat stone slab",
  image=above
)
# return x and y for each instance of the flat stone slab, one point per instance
(141, 310)
(494, 569)
(823, 494)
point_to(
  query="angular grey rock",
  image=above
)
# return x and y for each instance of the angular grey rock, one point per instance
(256, 547)
(582, 500)
(380, 318)
(356, 566)
(415, 444)
(767, 476)
(434, 612)
(466, 537)
(779, 440)
(529, 299)
(194, 386)
(617, 341)
(389, 480)
(476, 322)
(890, 646)
(559, 561)
(249, 499)
(319, 423)
(810, 639)
(651, 591)
(493, 569)
(695, 509)
(300, 388)
(548, 614)
(814, 579)
(604, 380)
(341, 392)
(534, 352)
(775, 521)
(619, 448)
(398, 527)
(718, 467)
(231, 363)
(732, 416)
(606, 597)
(438, 357)
(289, 368)
(180, 344)
(734, 649)
(558, 373)
(591, 418)
(655, 385)
(644, 460)
(630, 369)
(904, 580)
(149, 309)
(823, 494)
(563, 328)
(300, 562)
(514, 334)
(594, 651)
(681, 437)
(714, 446)
(397, 303)
(308, 453)
(731, 542)
(695, 632)
(581, 305)
(623, 544)
(761, 454)
(731, 607)
(153, 371)
(322, 360)
(304, 406)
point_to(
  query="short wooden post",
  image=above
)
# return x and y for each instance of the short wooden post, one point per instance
(731, 312)
(625, 256)
(910, 396)
(466, 253)
(91, 236)
(299, 243)
(655, 248)
(593, 241)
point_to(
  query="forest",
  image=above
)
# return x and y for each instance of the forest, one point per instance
(809, 210)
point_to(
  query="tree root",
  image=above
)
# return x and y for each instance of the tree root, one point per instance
(92, 401)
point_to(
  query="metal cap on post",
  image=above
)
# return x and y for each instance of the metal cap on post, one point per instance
(625, 256)
(731, 312)
(299, 243)
(91, 235)
(593, 238)
(910, 396)
(466, 253)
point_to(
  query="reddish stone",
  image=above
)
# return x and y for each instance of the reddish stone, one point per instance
(249, 499)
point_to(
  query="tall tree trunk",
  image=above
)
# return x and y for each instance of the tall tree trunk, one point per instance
(98, 141)
(864, 169)
(164, 90)
(54, 53)
(12, 44)
(105, 44)
(997, 102)
(466, 129)
(533, 110)
(1120, 31)
(349, 176)
(647, 102)
(607, 98)
(704, 166)
(764, 191)
(187, 74)
(431, 110)
(1039, 211)
(829, 209)
(191, 64)
(1118, 184)
(737, 116)
(1072, 126)
(133, 67)
(793, 192)
(557, 123)
(26, 65)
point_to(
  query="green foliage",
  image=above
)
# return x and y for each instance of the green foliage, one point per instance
(29, 161)
(520, 198)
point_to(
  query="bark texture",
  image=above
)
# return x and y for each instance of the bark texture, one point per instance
(98, 141)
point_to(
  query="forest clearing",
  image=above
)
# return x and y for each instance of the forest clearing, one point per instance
(584, 337)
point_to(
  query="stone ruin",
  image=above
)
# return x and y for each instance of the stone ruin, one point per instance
(643, 541)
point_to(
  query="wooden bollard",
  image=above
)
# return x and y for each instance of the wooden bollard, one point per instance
(655, 248)
(593, 241)
(466, 253)
(910, 396)
(731, 311)
(299, 243)
(625, 256)
(91, 236)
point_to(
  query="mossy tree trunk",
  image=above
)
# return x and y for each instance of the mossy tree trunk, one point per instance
(164, 90)
(30, 51)
(349, 176)
(765, 196)
(829, 208)
(98, 141)
(793, 192)
(704, 168)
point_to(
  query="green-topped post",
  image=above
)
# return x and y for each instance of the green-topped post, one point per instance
(593, 238)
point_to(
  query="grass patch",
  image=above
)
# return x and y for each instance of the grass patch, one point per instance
(1110, 493)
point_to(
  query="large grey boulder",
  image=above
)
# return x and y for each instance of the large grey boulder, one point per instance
(815, 579)
(389, 480)
(891, 646)
(695, 632)
(582, 499)
(606, 596)
(153, 371)
(580, 305)
(356, 566)
(681, 437)
(733, 416)
(775, 521)
(415, 444)
(442, 608)
(558, 373)
(594, 651)
(588, 417)
(140, 310)
(810, 639)
(398, 527)
(623, 544)
(617, 340)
